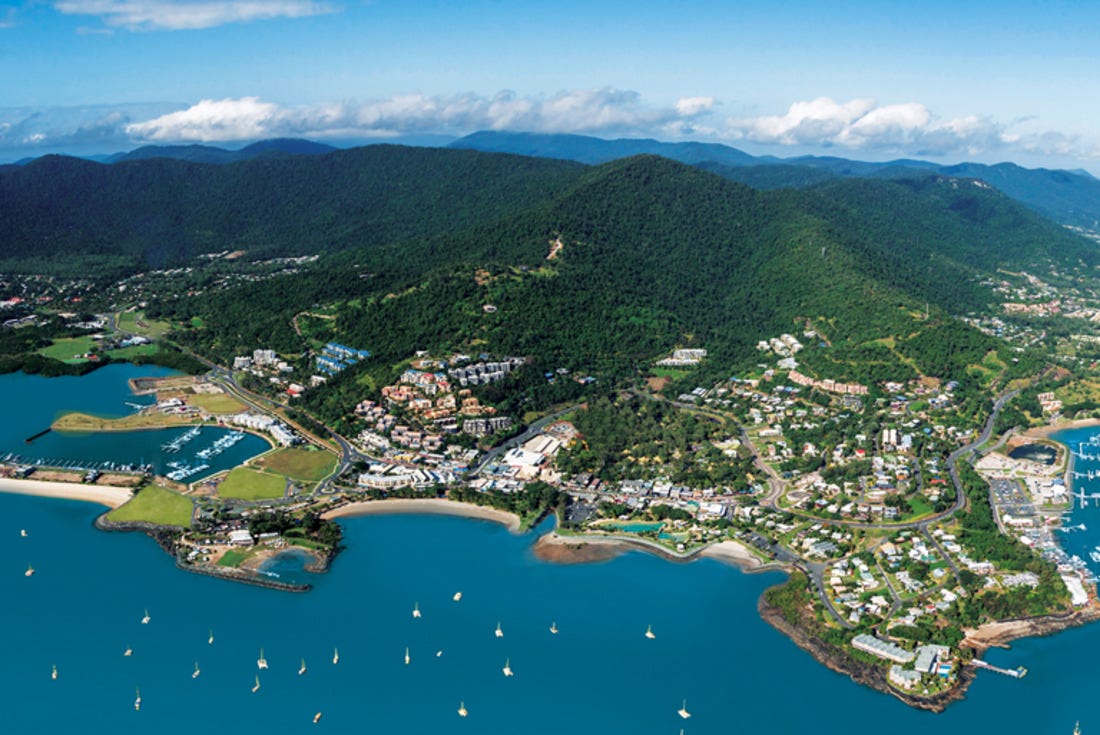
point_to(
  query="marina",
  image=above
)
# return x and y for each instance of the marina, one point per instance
(179, 442)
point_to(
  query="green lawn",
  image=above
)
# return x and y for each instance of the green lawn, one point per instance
(135, 322)
(216, 403)
(155, 504)
(124, 353)
(233, 558)
(307, 465)
(67, 349)
(249, 484)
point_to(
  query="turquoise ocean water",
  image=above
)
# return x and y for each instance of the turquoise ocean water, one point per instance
(84, 605)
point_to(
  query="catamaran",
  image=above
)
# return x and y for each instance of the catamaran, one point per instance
(261, 662)
(683, 711)
(499, 633)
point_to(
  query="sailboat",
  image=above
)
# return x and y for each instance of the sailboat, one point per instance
(302, 668)
(256, 686)
(196, 674)
(29, 572)
(1077, 728)
(683, 711)
(335, 656)
(316, 718)
(53, 674)
(439, 653)
(554, 628)
(457, 597)
(499, 633)
(649, 632)
(128, 652)
(508, 667)
(462, 712)
(145, 619)
(407, 659)
(23, 532)
(137, 702)
(416, 609)
(261, 662)
(210, 640)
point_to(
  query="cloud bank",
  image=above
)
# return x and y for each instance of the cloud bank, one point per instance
(858, 127)
(174, 15)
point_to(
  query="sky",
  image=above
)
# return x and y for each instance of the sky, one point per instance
(943, 81)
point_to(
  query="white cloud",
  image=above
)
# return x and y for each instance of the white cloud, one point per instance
(604, 110)
(690, 106)
(148, 15)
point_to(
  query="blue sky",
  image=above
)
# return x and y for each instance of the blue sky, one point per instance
(946, 81)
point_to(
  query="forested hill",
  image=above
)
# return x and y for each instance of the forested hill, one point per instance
(67, 215)
(656, 254)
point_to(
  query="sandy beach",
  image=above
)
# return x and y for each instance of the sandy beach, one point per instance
(112, 497)
(734, 552)
(429, 506)
(582, 549)
(1044, 432)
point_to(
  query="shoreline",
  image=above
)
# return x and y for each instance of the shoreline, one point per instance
(1044, 432)
(424, 506)
(582, 549)
(110, 496)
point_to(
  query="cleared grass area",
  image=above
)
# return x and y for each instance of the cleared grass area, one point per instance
(249, 484)
(68, 349)
(299, 464)
(86, 422)
(216, 403)
(233, 558)
(135, 321)
(125, 353)
(155, 504)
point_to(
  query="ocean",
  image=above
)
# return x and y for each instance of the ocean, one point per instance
(599, 674)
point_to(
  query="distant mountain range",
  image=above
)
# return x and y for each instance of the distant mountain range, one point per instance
(1068, 197)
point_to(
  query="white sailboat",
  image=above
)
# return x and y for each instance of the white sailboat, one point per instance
(145, 618)
(195, 675)
(439, 653)
(649, 632)
(554, 628)
(407, 659)
(335, 656)
(462, 712)
(256, 686)
(499, 633)
(302, 668)
(128, 652)
(508, 667)
(23, 532)
(53, 674)
(210, 639)
(137, 702)
(416, 609)
(261, 662)
(316, 718)
(457, 597)
(683, 711)
(29, 572)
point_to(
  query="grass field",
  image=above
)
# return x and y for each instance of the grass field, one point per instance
(299, 464)
(124, 353)
(248, 484)
(216, 403)
(233, 558)
(68, 349)
(135, 322)
(77, 421)
(155, 504)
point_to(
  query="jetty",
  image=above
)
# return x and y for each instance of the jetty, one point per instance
(1018, 673)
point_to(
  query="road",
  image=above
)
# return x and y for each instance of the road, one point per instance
(515, 441)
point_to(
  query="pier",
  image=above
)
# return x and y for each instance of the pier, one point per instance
(1018, 673)
(31, 438)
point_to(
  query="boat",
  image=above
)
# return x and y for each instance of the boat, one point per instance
(210, 640)
(499, 633)
(261, 662)
(195, 675)
(302, 668)
(335, 656)
(508, 668)
(407, 659)
(128, 652)
(29, 572)
(457, 597)
(23, 533)
(439, 653)
(316, 718)
(416, 609)
(462, 712)
(683, 711)
(554, 628)
(53, 674)
(256, 686)
(145, 618)
(1077, 728)
(137, 702)
(649, 632)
